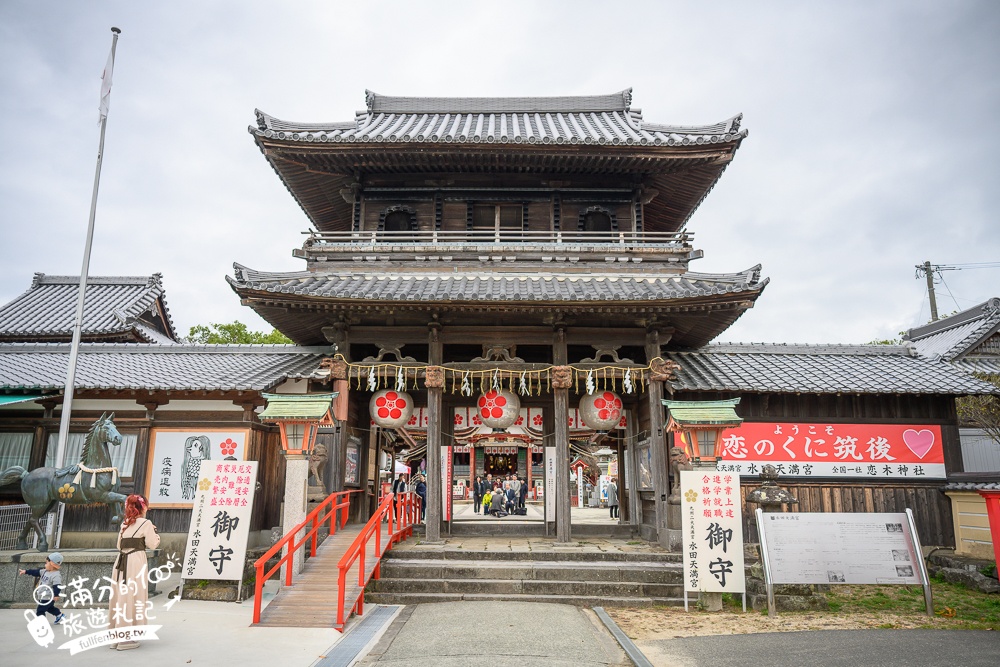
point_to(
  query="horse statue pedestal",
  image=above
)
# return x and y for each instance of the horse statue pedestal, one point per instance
(91, 564)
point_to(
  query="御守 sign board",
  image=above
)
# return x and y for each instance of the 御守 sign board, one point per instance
(220, 521)
(840, 548)
(712, 532)
(871, 451)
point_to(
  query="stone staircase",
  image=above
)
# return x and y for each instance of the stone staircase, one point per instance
(413, 576)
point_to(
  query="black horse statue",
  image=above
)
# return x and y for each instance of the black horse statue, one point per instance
(92, 480)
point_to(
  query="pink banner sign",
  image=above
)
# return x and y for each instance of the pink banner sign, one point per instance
(834, 450)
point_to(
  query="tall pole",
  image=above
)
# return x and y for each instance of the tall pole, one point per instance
(930, 290)
(74, 351)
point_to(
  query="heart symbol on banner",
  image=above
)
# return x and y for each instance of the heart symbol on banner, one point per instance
(919, 442)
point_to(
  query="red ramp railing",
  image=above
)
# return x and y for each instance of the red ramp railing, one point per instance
(326, 510)
(400, 512)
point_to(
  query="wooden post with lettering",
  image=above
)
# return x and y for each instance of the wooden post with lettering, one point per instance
(631, 435)
(658, 440)
(435, 388)
(562, 380)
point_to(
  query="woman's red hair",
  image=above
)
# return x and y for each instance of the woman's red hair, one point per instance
(134, 506)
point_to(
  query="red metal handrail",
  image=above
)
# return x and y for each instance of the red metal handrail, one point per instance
(340, 500)
(401, 515)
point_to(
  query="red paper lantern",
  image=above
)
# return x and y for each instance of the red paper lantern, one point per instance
(498, 408)
(601, 411)
(390, 408)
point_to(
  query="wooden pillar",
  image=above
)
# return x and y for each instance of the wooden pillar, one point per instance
(658, 443)
(561, 417)
(339, 454)
(435, 357)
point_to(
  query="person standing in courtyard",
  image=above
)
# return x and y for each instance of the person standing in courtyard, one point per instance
(129, 605)
(523, 494)
(421, 490)
(477, 494)
(613, 499)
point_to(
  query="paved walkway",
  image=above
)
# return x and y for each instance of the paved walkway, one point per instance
(831, 648)
(459, 634)
(493, 633)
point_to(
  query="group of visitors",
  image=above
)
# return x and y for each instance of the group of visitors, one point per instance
(500, 497)
(419, 487)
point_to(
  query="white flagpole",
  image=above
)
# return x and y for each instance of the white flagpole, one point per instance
(74, 351)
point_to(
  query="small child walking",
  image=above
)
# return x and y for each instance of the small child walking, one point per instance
(49, 576)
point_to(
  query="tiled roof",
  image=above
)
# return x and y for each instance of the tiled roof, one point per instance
(819, 369)
(497, 287)
(122, 306)
(594, 119)
(971, 486)
(156, 367)
(951, 338)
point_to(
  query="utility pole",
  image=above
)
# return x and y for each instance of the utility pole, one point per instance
(926, 269)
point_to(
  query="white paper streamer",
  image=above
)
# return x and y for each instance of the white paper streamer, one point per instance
(372, 385)
(590, 382)
(523, 387)
(400, 379)
(627, 381)
(466, 385)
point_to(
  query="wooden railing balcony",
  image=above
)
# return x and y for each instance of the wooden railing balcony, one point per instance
(469, 239)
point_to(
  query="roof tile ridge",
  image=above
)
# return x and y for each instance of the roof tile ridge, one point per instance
(975, 337)
(832, 349)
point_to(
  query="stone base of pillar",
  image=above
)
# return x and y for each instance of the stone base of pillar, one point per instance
(710, 601)
(675, 539)
(674, 515)
(296, 495)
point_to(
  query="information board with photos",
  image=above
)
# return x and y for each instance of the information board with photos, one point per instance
(840, 548)
(712, 532)
(220, 521)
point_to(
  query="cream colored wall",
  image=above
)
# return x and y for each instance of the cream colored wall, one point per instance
(972, 526)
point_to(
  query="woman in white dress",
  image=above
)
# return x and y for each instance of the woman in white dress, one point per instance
(129, 605)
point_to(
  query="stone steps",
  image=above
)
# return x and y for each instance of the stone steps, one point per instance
(415, 576)
(577, 600)
(638, 572)
(572, 555)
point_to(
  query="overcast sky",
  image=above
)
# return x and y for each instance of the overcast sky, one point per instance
(872, 145)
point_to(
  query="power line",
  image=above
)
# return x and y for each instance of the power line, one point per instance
(927, 270)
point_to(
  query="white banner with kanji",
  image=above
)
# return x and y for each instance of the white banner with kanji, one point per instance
(220, 521)
(711, 518)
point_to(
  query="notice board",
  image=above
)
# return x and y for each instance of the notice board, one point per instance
(840, 548)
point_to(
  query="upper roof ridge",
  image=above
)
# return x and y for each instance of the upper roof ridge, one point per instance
(619, 101)
(45, 279)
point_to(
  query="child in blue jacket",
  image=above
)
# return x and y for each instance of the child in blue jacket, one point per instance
(52, 579)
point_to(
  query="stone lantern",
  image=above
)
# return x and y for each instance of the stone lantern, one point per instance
(299, 417)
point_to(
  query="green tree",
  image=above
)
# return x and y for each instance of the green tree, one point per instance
(235, 332)
(982, 411)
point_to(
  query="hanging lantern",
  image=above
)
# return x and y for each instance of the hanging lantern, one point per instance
(390, 408)
(601, 410)
(498, 408)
